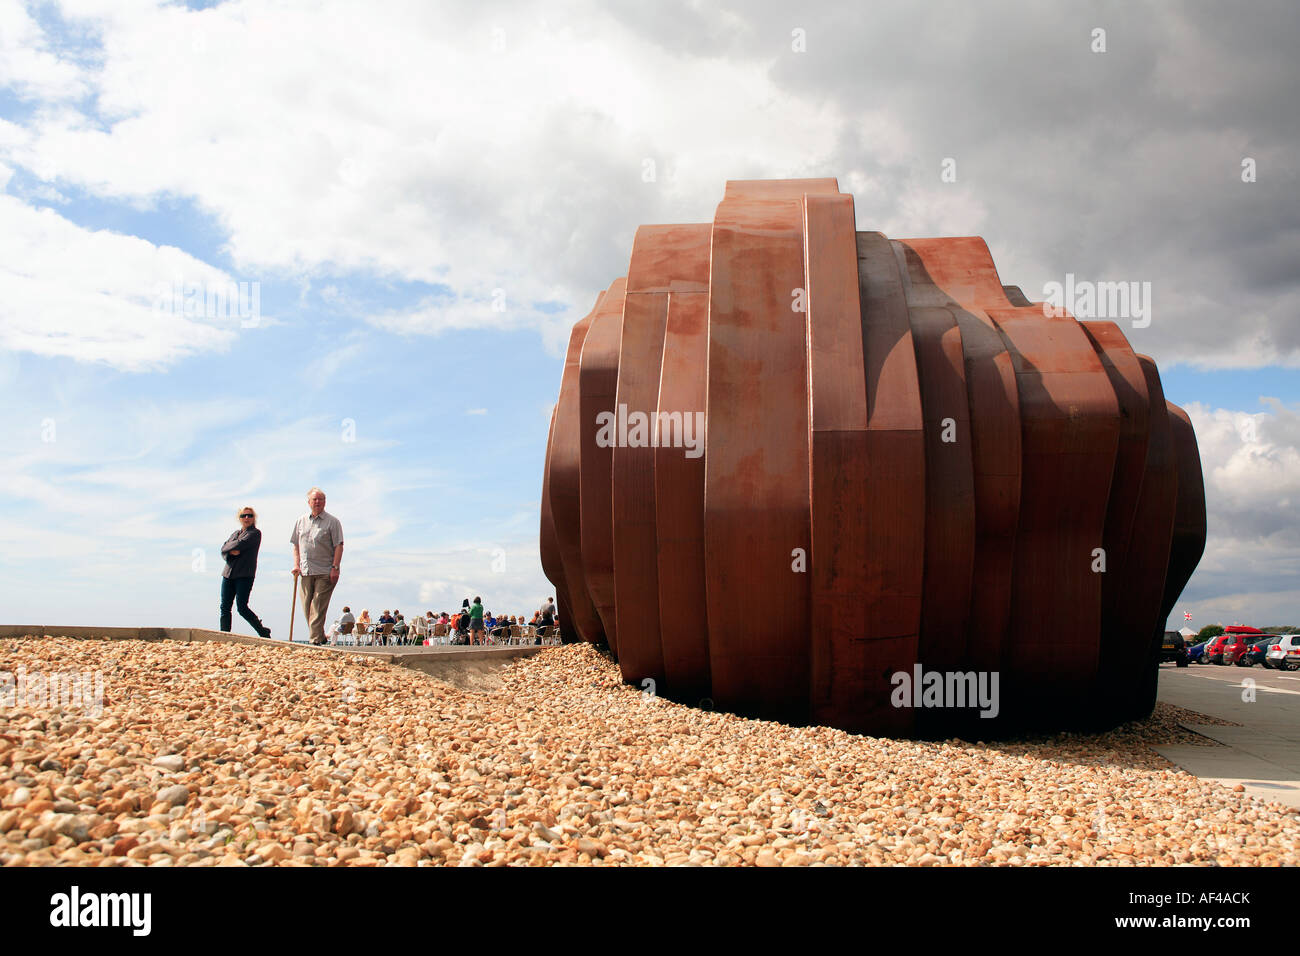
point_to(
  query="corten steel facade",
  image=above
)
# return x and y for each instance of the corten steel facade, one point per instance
(904, 462)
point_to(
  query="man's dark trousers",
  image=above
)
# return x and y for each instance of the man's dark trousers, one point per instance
(236, 591)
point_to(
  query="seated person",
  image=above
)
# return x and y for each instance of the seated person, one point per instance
(400, 630)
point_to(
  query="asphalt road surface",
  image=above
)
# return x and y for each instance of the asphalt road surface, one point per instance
(1263, 754)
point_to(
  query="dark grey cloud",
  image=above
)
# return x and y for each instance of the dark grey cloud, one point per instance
(1117, 165)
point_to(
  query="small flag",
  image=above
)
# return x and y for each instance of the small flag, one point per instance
(1187, 615)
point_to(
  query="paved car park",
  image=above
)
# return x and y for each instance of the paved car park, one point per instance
(1263, 754)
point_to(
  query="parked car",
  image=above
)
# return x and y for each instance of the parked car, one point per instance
(1214, 650)
(1285, 654)
(1255, 655)
(1235, 640)
(1173, 648)
(1196, 651)
(1235, 648)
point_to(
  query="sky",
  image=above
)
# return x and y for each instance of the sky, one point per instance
(425, 197)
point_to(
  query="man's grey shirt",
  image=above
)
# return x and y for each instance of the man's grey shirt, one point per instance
(316, 538)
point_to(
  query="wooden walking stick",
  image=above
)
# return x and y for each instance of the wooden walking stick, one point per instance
(293, 608)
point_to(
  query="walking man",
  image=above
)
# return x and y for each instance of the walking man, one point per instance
(317, 541)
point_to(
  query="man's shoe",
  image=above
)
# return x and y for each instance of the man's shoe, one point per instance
(266, 632)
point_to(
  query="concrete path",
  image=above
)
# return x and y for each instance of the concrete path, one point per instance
(471, 668)
(1263, 754)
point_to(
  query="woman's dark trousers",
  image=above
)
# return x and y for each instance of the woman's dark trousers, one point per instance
(235, 591)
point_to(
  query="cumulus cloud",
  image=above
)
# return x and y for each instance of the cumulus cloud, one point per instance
(100, 296)
(1251, 464)
(28, 65)
(479, 152)
(1252, 471)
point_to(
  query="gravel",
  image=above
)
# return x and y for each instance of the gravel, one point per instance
(290, 757)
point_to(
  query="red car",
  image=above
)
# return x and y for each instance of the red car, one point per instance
(1229, 646)
(1235, 648)
(1214, 650)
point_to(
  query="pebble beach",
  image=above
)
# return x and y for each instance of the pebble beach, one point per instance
(212, 754)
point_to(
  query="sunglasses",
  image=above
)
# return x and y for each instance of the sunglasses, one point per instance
(248, 516)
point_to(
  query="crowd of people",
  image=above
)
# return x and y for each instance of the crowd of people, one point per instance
(317, 541)
(469, 626)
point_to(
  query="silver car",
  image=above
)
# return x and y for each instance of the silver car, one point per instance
(1285, 654)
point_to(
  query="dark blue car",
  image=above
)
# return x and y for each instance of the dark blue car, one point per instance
(1255, 652)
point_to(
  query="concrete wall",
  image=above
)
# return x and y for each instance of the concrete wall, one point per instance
(129, 633)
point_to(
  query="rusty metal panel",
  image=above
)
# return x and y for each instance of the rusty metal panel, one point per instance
(597, 386)
(756, 467)
(563, 481)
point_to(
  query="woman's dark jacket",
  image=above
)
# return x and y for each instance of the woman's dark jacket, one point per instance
(243, 565)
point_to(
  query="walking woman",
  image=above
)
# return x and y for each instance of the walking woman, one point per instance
(240, 552)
